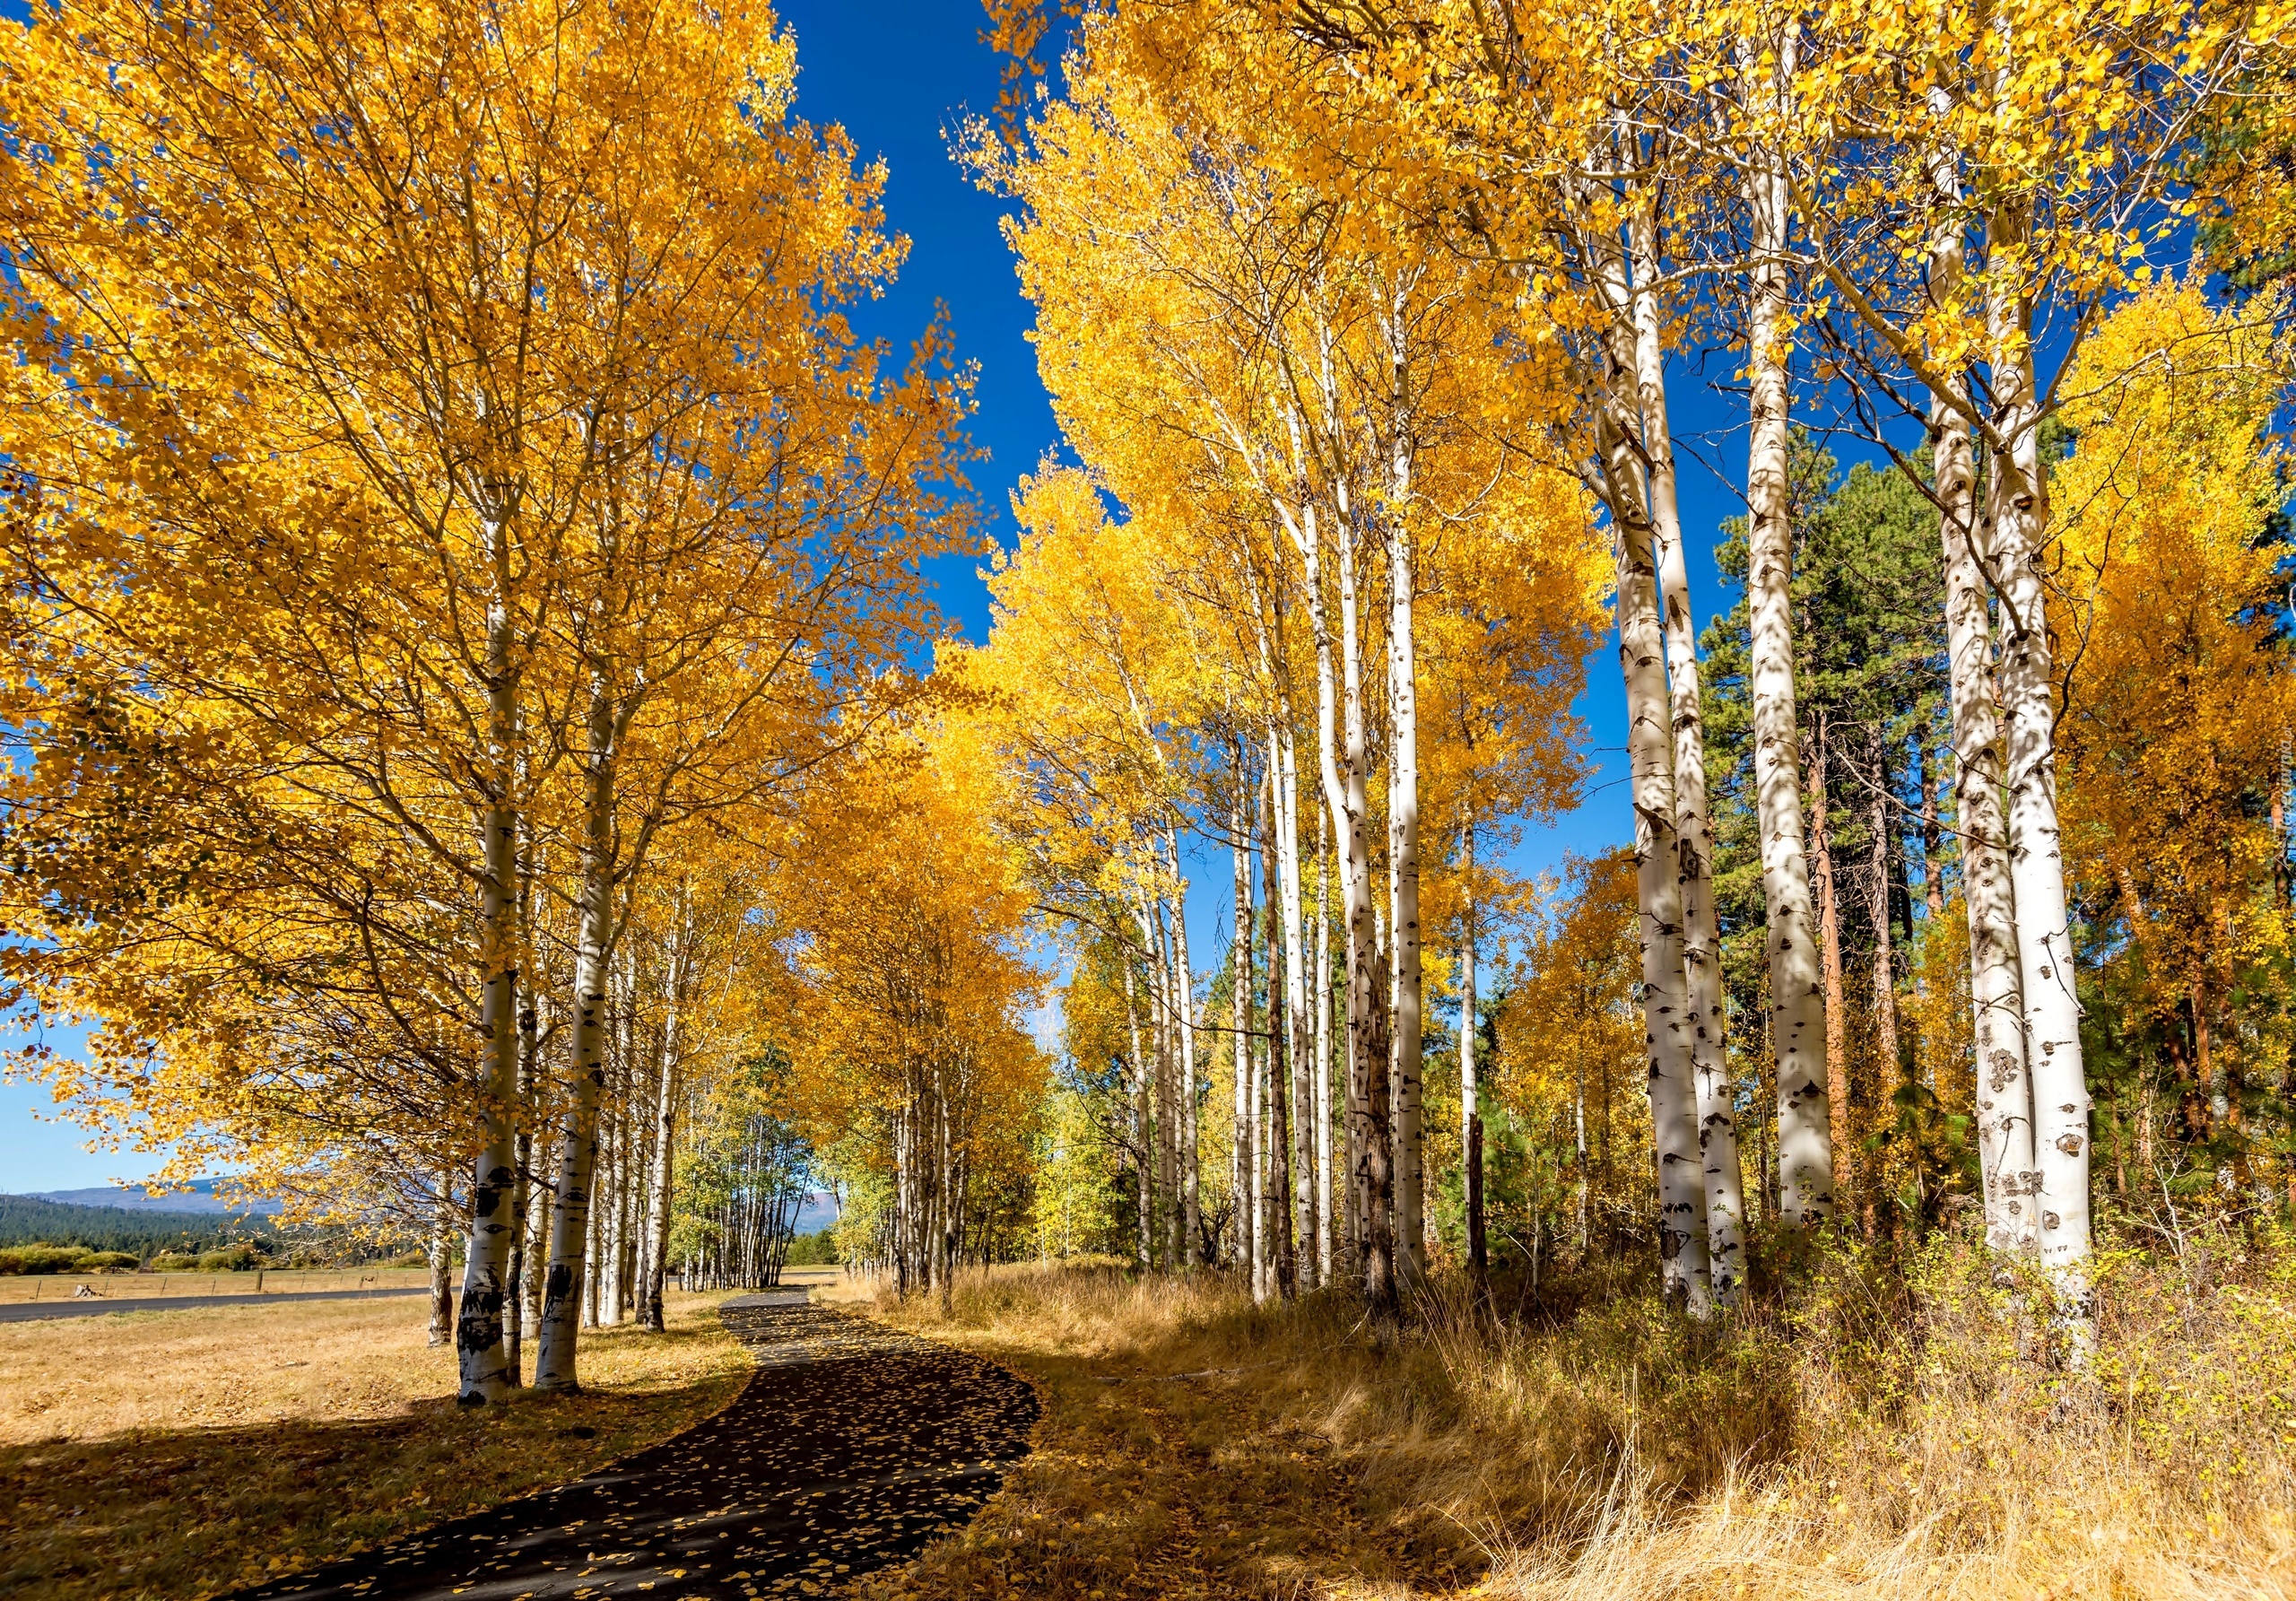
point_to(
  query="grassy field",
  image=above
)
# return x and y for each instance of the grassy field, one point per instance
(141, 1286)
(1889, 1435)
(177, 1454)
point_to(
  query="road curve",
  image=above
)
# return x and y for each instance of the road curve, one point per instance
(852, 1449)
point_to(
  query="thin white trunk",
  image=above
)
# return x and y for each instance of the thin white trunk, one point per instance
(484, 1359)
(1674, 1097)
(1407, 996)
(2004, 1124)
(2018, 508)
(1402, 900)
(1184, 979)
(558, 1327)
(1365, 1030)
(1470, 1089)
(1139, 1087)
(1282, 1172)
(1298, 1024)
(1168, 1069)
(1323, 1047)
(1262, 1257)
(1241, 964)
(658, 1190)
(609, 1311)
(441, 1261)
(1340, 747)
(1796, 997)
(1717, 1121)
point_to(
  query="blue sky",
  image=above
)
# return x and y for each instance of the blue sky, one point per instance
(898, 74)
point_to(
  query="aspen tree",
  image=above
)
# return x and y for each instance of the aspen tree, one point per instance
(2067, 190)
(1240, 834)
(1403, 859)
(1682, 1193)
(1326, 1222)
(1470, 1102)
(1297, 1042)
(1799, 1022)
(1718, 1127)
(1190, 1201)
(2004, 1125)
(1284, 1266)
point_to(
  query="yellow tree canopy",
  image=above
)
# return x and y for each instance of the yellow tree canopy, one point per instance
(2177, 707)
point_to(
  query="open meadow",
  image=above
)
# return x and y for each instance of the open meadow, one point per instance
(176, 1454)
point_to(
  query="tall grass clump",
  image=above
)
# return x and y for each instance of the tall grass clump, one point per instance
(1878, 1420)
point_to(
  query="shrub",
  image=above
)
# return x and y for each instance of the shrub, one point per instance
(232, 1258)
(41, 1258)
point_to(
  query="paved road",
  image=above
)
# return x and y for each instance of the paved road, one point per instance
(850, 1449)
(98, 1306)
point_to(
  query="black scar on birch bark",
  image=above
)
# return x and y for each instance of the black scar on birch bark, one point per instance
(852, 1448)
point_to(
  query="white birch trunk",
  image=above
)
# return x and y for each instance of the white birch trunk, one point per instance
(441, 1256)
(1340, 749)
(1407, 995)
(1282, 1173)
(1470, 1089)
(1185, 1129)
(558, 1327)
(1241, 964)
(1262, 1257)
(1402, 857)
(1139, 1088)
(1167, 1213)
(657, 1197)
(1296, 1022)
(1806, 1181)
(2018, 508)
(609, 1307)
(2004, 1123)
(484, 1359)
(1367, 1035)
(1674, 1097)
(1717, 1119)
(1323, 1048)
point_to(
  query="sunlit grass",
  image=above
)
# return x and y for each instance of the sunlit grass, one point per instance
(183, 1453)
(1887, 1430)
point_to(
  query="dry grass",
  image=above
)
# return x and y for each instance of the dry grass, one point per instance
(1897, 1431)
(122, 1286)
(182, 1453)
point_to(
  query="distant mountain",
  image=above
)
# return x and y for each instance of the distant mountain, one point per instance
(200, 1196)
(818, 1212)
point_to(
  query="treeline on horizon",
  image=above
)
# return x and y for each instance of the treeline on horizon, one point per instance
(147, 1233)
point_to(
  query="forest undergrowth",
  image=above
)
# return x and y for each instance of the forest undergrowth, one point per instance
(1896, 1425)
(160, 1456)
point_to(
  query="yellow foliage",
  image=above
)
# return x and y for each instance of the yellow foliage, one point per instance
(2179, 707)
